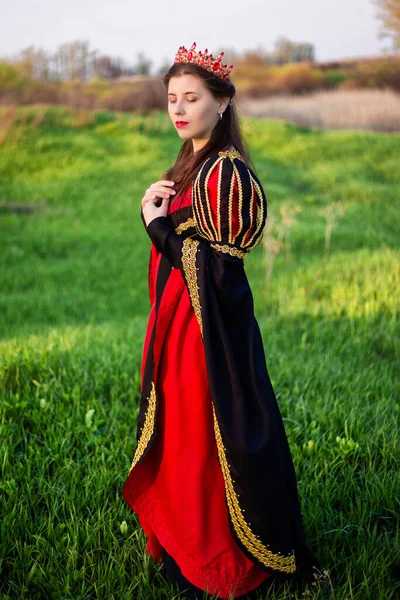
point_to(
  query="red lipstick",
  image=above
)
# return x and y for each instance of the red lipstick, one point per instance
(181, 123)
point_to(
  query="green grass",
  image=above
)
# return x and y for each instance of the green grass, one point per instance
(73, 313)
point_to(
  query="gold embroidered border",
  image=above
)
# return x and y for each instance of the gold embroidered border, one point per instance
(189, 249)
(185, 225)
(219, 186)
(240, 204)
(250, 244)
(148, 427)
(198, 208)
(229, 250)
(249, 539)
(231, 154)
(230, 206)
(216, 165)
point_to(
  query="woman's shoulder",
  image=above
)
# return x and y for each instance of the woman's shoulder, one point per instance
(222, 156)
(225, 170)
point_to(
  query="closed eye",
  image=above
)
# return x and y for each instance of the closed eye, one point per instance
(192, 100)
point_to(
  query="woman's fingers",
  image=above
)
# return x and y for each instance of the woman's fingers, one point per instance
(159, 189)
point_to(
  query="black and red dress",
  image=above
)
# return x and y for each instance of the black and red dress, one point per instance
(212, 479)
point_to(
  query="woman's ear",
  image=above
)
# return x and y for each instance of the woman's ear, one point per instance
(223, 103)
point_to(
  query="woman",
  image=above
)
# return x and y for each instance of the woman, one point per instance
(212, 479)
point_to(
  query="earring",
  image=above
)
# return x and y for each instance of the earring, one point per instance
(220, 116)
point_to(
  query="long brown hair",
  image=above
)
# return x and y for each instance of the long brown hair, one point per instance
(225, 134)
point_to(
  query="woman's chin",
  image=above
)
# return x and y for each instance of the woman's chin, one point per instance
(184, 136)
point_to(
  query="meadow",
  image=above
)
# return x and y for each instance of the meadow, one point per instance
(73, 312)
(370, 110)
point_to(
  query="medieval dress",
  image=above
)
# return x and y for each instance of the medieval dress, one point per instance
(212, 479)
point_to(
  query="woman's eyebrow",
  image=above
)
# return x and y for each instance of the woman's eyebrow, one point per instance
(172, 93)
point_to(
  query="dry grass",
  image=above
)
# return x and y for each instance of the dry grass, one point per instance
(373, 110)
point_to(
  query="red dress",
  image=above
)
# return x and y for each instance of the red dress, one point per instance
(177, 490)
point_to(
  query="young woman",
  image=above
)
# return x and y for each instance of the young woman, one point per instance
(212, 479)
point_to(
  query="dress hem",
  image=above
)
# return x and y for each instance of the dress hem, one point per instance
(147, 511)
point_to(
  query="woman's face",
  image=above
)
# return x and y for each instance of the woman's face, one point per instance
(190, 102)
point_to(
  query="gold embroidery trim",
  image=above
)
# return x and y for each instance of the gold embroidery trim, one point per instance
(185, 225)
(229, 250)
(240, 205)
(148, 427)
(230, 206)
(219, 185)
(189, 249)
(207, 199)
(245, 534)
(259, 218)
(231, 154)
(198, 207)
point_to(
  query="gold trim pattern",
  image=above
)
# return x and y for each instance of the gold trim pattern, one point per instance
(219, 201)
(208, 203)
(148, 427)
(244, 532)
(229, 250)
(260, 213)
(199, 208)
(230, 207)
(189, 249)
(231, 154)
(240, 206)
(250, 198)
(185, 225)
(251, 541)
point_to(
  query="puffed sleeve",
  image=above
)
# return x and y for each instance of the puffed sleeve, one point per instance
(229, 209)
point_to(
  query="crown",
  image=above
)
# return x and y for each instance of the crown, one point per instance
(213, 65)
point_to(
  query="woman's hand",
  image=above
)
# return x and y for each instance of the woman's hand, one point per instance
(159, 189)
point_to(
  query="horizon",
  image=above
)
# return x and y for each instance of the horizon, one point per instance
(340, 32)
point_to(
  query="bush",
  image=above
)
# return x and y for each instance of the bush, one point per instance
(10, 79)
(382, 74)
(290, 79)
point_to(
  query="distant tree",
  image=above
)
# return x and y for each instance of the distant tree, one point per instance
(389, 16)
(107, 67)
(73, 60)
(143, 65)
(286, 51)
(163, 68)
(34, 63)
(254, 57)
(10, 77)
(70, 61)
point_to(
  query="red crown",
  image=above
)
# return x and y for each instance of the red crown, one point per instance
(214, 65)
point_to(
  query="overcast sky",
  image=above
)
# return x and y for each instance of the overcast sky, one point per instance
(122, 29)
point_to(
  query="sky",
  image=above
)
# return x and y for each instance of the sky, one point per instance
(122, 29)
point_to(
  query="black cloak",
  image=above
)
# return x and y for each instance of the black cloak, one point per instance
(260, 482)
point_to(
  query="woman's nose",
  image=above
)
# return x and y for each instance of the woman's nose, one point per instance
(178, 109)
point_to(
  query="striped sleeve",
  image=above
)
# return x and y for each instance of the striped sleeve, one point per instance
(229, 204)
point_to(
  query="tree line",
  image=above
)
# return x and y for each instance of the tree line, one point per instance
(77, 61)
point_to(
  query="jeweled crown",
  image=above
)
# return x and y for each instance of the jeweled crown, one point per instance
(213, 65)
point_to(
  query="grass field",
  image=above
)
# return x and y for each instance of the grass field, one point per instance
(73, 311)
